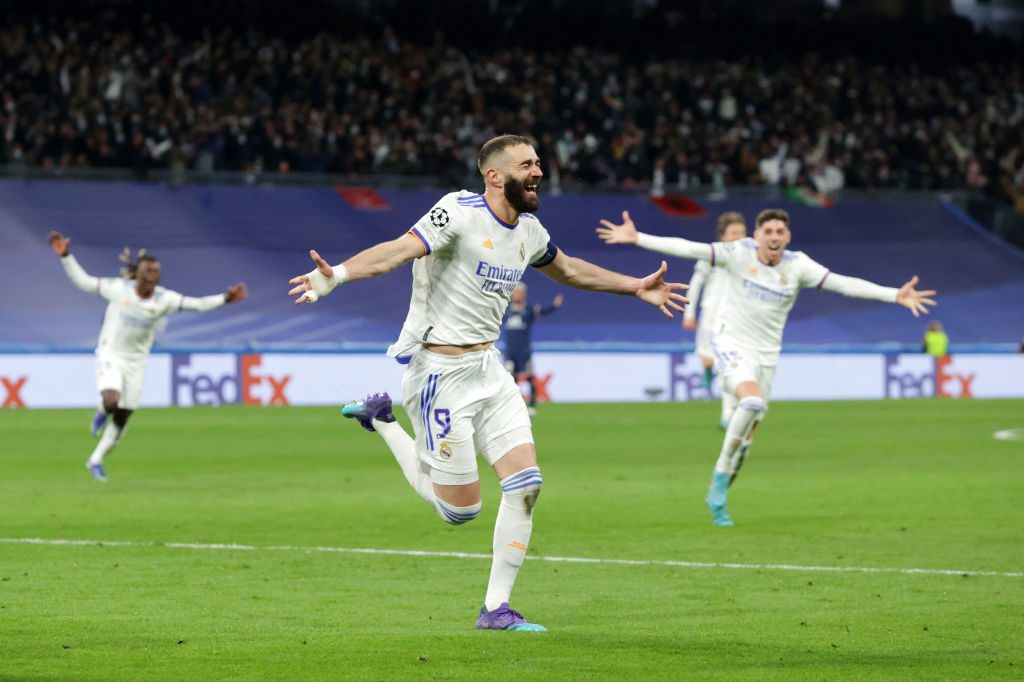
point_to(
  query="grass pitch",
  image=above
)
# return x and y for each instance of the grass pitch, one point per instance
(894, 485)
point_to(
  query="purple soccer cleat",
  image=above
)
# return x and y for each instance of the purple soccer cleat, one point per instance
(504, 618)
(98, 420)
(376, 406)
(97, 472)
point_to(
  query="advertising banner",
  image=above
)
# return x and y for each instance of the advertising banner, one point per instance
(278, 379)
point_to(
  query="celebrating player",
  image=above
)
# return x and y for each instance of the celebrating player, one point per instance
(137, 304)
(762, 288)
(708, 286)
(518, 330)
(471, 250)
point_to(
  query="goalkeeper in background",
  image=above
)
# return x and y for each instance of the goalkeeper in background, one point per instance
(137, 306)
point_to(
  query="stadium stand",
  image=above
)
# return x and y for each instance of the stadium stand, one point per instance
(93, 91)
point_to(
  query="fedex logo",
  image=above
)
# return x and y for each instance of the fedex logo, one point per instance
(687, 379)
(921, 376)
(225, 380)
(12, 388)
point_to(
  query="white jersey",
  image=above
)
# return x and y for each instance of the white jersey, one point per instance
(759, 297)
(474, 261)
(130, 323)
(708, 284)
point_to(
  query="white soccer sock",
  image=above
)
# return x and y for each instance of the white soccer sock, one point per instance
(728, 407)
(403, 447)
(108, 440)
(741, 455)
(747, 412)
(512, 533)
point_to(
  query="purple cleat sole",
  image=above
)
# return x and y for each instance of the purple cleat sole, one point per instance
(504, 618)
(376, 406)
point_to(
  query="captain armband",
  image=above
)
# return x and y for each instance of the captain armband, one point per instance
(547, 257)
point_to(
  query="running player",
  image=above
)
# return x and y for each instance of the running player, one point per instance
(137, 305)
(518, 332)
(471, 251)
(763, 284)
(709, 285)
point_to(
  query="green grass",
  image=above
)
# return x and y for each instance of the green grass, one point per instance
(910, 484)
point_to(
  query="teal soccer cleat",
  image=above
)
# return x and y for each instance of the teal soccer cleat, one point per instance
(376, 406)
(717, 495)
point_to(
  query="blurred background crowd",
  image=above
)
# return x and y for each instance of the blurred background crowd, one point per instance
(706, 101)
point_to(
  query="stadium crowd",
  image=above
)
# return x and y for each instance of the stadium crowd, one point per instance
(82, 92)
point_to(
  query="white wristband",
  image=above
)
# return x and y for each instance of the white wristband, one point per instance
(321, 286)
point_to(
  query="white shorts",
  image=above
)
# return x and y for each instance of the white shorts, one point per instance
(736, 366)
(460, 406)
(123, 376)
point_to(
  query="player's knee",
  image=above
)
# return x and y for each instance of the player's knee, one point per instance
(457, 515)
(121, 417)
(524, 485)
(753, 404)
(110, 400)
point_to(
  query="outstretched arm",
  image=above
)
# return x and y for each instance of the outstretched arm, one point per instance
(540, 310)
(652, 289)
(374, 261)
(205, 304)
(907, 296)
(626, 233)
(75, 272)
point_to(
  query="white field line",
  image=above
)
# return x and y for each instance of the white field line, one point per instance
(1009, 434)
(470, 555)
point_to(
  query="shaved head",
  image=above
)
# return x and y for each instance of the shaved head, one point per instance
(496, 146)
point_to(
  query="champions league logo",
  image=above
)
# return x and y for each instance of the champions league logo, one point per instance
(439, 217)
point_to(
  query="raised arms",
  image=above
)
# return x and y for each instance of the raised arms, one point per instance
(626, 233)
(374, 261)
(652, 289)
(914, 300)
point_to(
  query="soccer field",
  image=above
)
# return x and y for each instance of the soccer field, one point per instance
(836, 506)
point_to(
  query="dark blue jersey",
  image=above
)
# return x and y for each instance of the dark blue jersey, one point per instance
(517, 329)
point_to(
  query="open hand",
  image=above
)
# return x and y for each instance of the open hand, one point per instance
(656, 291)
(313, 284)
(618, 234)
(913, 300)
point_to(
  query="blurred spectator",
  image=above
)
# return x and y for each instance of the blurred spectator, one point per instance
(935, 343)
(92, 92)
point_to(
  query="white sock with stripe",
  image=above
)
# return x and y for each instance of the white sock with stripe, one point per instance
(747, 412)
(512, 531)
(108, 440)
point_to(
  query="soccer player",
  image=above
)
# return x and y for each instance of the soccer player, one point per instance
(764, 279)
(518, 328)
(708, 285)
(137, 305)
(470, 252)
